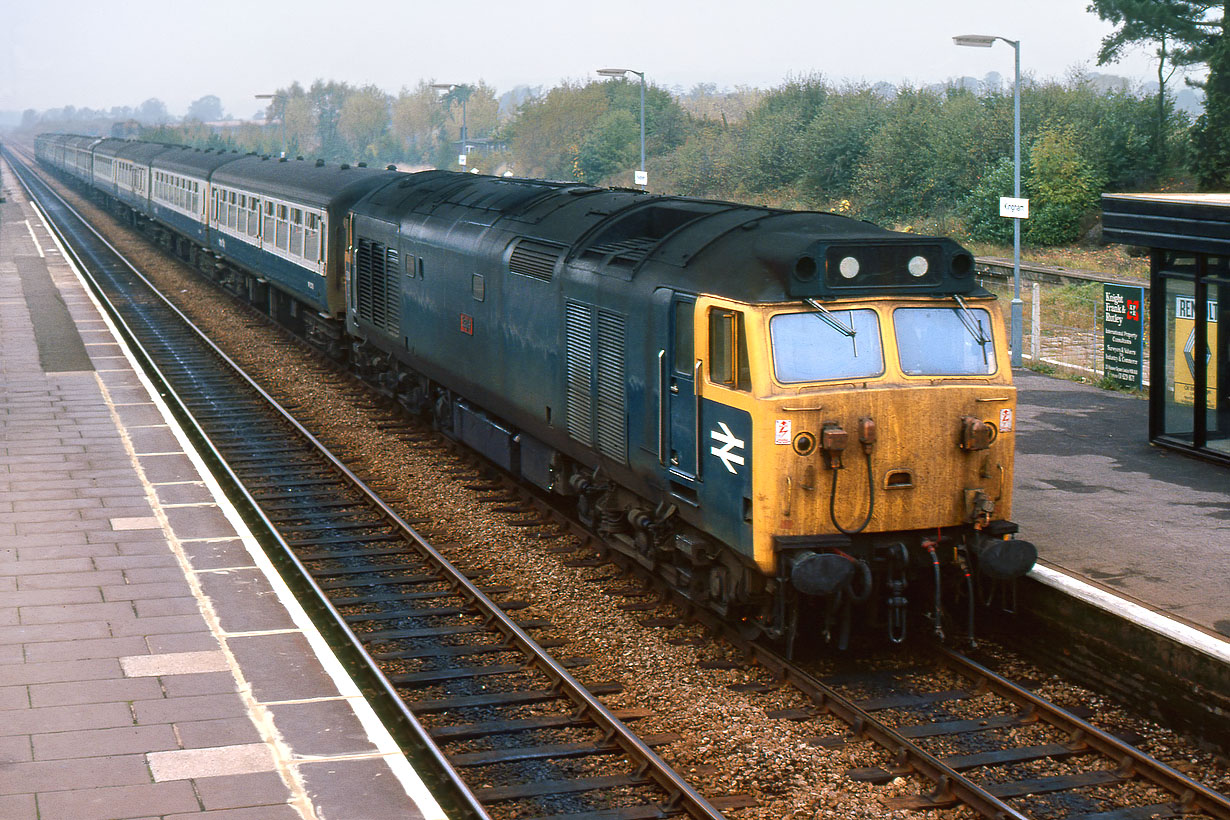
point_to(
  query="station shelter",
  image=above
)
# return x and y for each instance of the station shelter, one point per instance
(1188, 237)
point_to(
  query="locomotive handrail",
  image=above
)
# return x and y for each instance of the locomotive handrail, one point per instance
(662, 422)
(696, 371)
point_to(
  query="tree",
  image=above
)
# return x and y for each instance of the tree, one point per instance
(547, 134)
(299, 119)
(417, 119)
(153, 112)
(611, 146)
(775, 133)
(363, 121)
(1179, 29)
(327, 99)
(206, 109)
(1211, 133)
(837, 138)
(980, 209)
(1063, 187)
(896, 179)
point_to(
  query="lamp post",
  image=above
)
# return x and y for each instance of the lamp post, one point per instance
(464, 92)
(642, 178)
(986, 41)
(275, 98)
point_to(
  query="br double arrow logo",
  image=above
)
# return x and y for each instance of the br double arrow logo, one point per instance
(729, 444)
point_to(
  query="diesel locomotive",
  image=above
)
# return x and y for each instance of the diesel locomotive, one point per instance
(800, 420)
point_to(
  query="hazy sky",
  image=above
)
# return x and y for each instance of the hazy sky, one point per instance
(101, 54)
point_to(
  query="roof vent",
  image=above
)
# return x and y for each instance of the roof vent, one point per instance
(344, 166)
(390, 167)
(362, 164)
(320, 163)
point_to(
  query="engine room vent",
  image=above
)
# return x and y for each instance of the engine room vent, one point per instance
(597, 407)
(535, 259)
(377, 285)
(580, 347)
(612, 415)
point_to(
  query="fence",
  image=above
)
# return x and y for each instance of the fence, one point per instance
(1063, 317)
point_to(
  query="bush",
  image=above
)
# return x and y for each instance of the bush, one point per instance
(980, 209)
(1063, 185)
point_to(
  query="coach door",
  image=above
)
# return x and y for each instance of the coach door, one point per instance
(677, 369)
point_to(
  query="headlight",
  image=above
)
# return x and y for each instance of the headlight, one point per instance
(848, 267)
(918, 266)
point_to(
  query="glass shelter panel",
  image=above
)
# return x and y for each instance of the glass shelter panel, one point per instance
(1178, 395)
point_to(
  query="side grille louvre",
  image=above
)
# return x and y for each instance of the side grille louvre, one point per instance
(580, 343)
(612, 430)
(377, 285)
(597, 411)
(534, 259)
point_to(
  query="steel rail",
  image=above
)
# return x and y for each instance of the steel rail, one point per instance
(950, 785)
(172, 398)
(682, 796)
(1192, 796)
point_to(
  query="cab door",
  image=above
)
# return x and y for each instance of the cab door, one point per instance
(678, 369)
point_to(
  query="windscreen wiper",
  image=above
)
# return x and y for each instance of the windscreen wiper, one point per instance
(974, 325)
(832, 321)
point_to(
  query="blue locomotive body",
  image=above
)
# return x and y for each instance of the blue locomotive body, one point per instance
(686, 370)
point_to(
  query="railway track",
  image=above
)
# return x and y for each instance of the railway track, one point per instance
(964, 739)
(429, 638)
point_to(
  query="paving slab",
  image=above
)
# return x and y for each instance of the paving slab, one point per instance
(144, 638)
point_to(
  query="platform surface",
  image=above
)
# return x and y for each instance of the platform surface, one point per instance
(151, 662)
(1105, 506)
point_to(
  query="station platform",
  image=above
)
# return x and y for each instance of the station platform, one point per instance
(1140, 531)
(152, 663)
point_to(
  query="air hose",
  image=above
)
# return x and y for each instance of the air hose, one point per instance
(871, 505)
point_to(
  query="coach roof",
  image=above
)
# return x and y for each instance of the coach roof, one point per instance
(312, 183)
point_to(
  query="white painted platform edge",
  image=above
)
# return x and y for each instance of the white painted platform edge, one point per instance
(377, 732)
(1157, 622)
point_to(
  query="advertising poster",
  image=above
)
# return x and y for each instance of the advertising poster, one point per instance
(1123, 334)
(1184, 343)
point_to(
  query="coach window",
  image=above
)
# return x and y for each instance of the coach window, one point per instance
(242, 225)
(254, 226)
(728, 364)
(283, 232)
(267, 227)
(296, 231)
(311, 241)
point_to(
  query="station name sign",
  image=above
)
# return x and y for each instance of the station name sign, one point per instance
(1013, 208)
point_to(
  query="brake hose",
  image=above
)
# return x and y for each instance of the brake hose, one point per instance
(871, 506)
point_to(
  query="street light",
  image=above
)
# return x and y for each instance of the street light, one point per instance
(276, 97)
(642, 178)
(449, 88)
(986, 41)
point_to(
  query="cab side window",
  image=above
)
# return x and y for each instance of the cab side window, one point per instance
(728, 350)
(684, 352)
